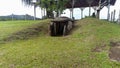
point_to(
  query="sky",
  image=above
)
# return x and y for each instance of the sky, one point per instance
(8, 7)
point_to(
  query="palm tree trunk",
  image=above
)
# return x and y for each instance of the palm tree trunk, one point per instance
(98, 14)
(41, 13)
(44, 12)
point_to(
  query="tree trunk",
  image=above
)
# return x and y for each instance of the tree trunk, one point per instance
(47, 13)
(57, 13)
(50, 14)
(42, 13)
(98, 14)
(44, 10)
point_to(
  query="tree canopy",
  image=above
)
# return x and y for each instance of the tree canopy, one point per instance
(50, 5)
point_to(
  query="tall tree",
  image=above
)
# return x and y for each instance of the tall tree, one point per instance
(49, 5)
(101, 5)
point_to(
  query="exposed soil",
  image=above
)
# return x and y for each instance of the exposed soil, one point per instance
(99, 48)
(114, 52)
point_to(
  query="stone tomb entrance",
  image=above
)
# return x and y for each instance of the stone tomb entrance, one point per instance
(60, 26)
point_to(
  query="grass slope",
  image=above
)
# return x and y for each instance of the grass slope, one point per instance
(86, 47)
(17, 29)
(9, 27)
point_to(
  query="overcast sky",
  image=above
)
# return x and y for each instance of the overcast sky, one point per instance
(7, 7)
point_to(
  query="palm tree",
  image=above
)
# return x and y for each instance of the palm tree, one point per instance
(49, 6)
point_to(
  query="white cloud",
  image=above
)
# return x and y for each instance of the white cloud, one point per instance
(8, 7)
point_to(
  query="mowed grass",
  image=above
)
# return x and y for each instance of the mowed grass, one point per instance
(9, 27)
(86, 47)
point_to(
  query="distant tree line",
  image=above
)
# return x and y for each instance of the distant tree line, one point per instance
(17, 17)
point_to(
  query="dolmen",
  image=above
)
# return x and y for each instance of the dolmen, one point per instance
(60, 26)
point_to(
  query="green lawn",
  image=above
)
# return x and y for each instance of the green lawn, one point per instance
(83, 48)
(9, 27)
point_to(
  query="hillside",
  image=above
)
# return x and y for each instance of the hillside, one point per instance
(17, 17)
(87, 46)
(10, 27)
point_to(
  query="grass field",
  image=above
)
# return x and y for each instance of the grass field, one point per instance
(86, 47)
(9, 27)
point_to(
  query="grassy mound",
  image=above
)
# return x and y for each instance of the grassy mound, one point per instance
(86, 47)
(29, 31)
